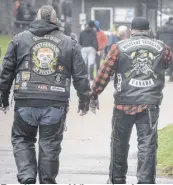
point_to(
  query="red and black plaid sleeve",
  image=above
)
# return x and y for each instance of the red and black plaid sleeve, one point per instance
(105, 72)
(168, 58)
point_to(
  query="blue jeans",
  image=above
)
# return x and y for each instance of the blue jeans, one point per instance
(41, 116)
(50, 122)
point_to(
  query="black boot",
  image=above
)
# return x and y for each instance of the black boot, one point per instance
(30, 181)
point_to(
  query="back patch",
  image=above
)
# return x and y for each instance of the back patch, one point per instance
(45, 56)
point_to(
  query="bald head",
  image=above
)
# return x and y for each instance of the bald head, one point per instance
(47, 13)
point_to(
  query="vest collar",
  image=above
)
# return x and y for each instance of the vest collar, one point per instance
(141, 33)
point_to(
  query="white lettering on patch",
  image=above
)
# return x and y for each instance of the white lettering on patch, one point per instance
(145, 42)
(141, 83)
(57, 89)
(119, 77)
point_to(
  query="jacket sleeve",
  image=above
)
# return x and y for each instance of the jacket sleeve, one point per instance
(79, 72)
(107, 70)
(8, 67)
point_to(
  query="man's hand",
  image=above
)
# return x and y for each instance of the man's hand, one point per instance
(4, 104)
(94, 105)
(83, 107)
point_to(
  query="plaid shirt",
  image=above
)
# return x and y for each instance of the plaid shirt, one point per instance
(108, 69)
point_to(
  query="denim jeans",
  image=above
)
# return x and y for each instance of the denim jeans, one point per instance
(50, 122)
(89, 56)
(41, 116)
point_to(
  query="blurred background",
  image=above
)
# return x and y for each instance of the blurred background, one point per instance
(16, 15)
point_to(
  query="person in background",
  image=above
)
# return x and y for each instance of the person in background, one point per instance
(89, 44)
(139, 81)
(113, 38)
(20, 12)
(62, 22)
(66, 10)
(64, 26)
(56, 6)
(102, 42)
(165, 34)
(42, 60)
(29, 13)
(15, 7)
(74, 36)
(123, 32)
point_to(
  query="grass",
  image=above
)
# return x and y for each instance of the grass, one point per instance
(165, 151)
(4, 41)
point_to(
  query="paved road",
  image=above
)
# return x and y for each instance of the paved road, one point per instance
(85, 154)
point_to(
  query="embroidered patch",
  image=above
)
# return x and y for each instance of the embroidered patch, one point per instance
(141, 83)
(16, 87)
(26, 76)
(61, 68)
(24, 85)
(45, 57)
(57, 89)
(43, 87)
(26, 65)
(17, 78)
(142, 63)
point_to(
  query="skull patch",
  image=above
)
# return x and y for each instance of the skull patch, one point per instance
(45, 58)
(142, 63)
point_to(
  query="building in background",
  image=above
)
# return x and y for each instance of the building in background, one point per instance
(165, 10)
(78, 12)
(112, 11)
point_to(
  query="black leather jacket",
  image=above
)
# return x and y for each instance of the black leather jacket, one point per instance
(42, 61)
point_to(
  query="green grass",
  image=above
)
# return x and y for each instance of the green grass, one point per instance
(165, 151)
(4, 41)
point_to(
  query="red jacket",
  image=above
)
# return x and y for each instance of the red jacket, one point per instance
(102, 40)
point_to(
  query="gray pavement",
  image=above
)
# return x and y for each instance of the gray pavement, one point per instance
(85, 149)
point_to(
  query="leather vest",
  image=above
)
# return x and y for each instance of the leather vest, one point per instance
(44, 67)
(140, 73)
